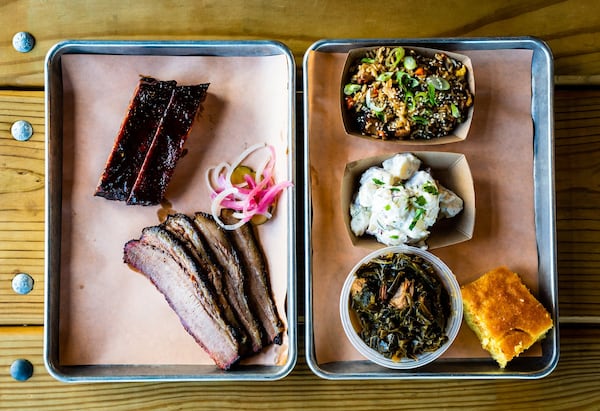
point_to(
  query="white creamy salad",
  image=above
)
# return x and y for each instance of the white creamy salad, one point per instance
(398, 203)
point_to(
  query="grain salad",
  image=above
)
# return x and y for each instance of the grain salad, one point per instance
(393, 93)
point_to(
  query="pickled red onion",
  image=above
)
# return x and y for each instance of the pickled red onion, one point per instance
(256, 195)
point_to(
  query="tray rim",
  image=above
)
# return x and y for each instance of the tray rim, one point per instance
(545, 225)
(53, 193)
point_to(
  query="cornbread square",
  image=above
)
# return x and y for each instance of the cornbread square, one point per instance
(504, 314)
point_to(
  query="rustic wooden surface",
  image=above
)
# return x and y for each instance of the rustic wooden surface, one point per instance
(572, 30)
(573, 385)
(570, 27)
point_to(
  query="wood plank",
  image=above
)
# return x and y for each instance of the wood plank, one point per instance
(577, 132)
(573, 384)
(21, 207)
(575, 41)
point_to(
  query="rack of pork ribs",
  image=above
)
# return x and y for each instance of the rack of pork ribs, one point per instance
(150, 141)
(215, 280)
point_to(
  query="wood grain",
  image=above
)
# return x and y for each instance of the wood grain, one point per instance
(21, 207)
(571, 28)
(577, 144)
(573, 385)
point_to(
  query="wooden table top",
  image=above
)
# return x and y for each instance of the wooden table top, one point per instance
(570, 28)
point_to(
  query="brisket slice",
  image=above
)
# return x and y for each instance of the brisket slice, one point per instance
(257, 276)
(167, 146)
(184, 229)
(135, 136)
(159, 256)
(233, 275)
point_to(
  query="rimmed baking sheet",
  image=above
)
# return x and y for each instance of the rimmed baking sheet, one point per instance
(104, 321)
(510, 151)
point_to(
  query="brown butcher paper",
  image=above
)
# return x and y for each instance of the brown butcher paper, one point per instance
(499, 150)
(110, 314)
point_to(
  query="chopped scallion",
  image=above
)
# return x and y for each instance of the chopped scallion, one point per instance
(421, 201)
(385, 76)
(439, 83)
(410, 63)
(431, 94)
(418, 215)
(454, 110)
(371, 104)
(350, 88)
(409, 99)
(430, 188)
(420, 120)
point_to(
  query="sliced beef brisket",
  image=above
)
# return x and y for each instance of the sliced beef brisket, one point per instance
(216, 281)
(233, 275)
(181, 226)
(257, 276)
(160, 258)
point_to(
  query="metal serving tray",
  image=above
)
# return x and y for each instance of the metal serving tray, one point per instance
(543, 175)
(54, 205)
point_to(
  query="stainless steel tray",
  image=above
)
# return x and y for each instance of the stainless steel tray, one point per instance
(543, 172)
(54, 180)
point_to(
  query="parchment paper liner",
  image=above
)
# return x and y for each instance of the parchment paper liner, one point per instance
(458, 134)
(453, 172)
(500, 153)
(108, 313)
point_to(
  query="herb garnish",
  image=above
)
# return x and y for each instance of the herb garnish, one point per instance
(420, 120)
(454, 111)
(431, 94)
(421, 201)
(350, 89)
(420, 213)
(430, 188)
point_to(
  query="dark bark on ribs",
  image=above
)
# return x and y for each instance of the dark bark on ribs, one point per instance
(184, 229)
(137, 131)
(233, 274)
(159, 257)
(167, 146)
(258, 284)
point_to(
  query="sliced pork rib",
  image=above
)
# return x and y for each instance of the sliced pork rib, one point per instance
(160, 257)
(150, 141)
(233, 275)
(167, 146)
(144, 115)
(257, 275)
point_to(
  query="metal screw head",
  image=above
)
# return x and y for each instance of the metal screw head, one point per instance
(22, 283)
(23, 42)
(21, 130)
(21, 370)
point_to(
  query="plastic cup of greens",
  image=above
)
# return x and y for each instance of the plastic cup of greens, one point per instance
(386, 310)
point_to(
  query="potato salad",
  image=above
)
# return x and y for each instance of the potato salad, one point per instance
(398, 202)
